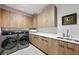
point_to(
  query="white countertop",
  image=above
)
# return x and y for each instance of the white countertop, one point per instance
(54, 36)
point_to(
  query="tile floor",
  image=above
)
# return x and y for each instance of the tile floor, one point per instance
(31, 50)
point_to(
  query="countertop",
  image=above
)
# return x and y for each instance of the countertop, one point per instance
(54, 36)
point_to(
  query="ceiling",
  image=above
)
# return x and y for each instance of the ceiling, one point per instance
(28, 8)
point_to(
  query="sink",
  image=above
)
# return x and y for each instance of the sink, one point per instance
(76, 40)
(61, 37)
(66, 38)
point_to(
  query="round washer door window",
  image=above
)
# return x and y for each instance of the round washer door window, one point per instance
(9, 43)
(23, 40)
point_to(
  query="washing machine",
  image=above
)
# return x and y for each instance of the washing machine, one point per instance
(23, 41)
(8, 43)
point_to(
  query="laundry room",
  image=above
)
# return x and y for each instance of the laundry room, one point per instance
(39, 29)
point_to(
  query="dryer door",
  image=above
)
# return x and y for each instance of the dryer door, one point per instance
(23, 40)
(9, 43)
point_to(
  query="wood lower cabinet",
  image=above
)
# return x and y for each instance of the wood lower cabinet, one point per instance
(61, 48)
(40, 42)
(31, 38)
(45, 44)
(76, 49)
(34, 39)
(65, 48)
(54, 47)
(70, 49)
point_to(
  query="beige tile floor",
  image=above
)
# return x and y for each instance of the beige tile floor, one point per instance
(31, 50)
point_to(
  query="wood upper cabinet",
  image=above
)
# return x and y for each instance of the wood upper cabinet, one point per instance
(35, 21)
(22, 21)
(29, 22)
(17, 20)
(12, 20)
(0, 17)
(47, 18)
(5, 18)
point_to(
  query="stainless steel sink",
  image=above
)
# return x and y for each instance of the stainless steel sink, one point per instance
(76, 40)
(68, 39)
(60, 37)
(64, 38)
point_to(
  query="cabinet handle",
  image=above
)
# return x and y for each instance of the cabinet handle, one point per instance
(70, 48)
(45, 40)
(61, 45)
(42, 39)
(35, 37)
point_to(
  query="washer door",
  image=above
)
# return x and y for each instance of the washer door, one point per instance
(23, 40)
(9, 43)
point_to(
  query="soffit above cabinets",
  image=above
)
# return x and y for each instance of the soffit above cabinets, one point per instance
(30, 9)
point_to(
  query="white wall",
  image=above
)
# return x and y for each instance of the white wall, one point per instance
(65, 9)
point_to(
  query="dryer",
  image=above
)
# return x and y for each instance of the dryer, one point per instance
(23, 39)
(8, 42)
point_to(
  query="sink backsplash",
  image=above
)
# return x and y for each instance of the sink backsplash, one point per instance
(48, 30)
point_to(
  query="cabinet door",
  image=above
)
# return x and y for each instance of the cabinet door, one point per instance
(61, 48)
(36, 40)
(5, 18)
(0, 16)
(70, 49)
(76, 49)
(53, 47)
(40, 20)
(47, 18)
(45, 44)
(40, 43)
(13, 21)
(35, 21)
(28, 22)
(30, 38)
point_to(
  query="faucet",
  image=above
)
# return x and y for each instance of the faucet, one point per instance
(68, 34)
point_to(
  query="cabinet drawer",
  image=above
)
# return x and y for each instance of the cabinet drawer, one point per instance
(70, 46)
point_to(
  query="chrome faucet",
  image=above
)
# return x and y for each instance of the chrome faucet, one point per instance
(67, 34)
